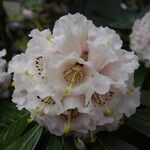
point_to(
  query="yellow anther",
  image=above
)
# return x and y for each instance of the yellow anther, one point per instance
(68, 90)
(121, 122)
(28, 73)
(13, 84)
(93, 139)
(49, 38)
(66, 130)
(130, 90)
(31, 119)
(108, 112)
(38, 111)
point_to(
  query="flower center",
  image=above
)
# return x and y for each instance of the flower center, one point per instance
(102, 99)
(73, 76)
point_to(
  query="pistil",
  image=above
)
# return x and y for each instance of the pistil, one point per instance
(72, 114)
(46, 101)
(67, 128)
(100, 100)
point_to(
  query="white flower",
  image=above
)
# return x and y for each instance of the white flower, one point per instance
(27, 13)
(4, 77)
(74, 115)
(140, 37)
(123, 6)
(72, 79)
(114, 104)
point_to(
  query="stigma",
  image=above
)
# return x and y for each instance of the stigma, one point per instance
(130, 90)
(69, 116)
(46, 101)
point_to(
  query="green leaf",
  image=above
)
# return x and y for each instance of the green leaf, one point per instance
(28, 141)
(139, 76)
(109, 142)
(54, 143)
(145, 98)
(12, 124)
(142, 12)
(33, 5)
(109, 13)
(140, 121)
(60, 143)
(69, 144)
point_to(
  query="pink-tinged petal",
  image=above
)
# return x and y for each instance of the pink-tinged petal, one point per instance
(38, 34)
(101, 56)
(81, 123)
(71, 33)
(72, 102)
(2, 53)
(119, 71)
(54, 124)
(105, 36)
(102, 83)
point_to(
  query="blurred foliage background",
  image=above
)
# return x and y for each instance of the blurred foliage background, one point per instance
(19, 17)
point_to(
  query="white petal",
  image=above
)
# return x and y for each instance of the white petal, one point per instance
(71, 33)
(105, 36)
(101, 56)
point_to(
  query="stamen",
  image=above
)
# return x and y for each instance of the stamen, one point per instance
(46, 101)
(130, 90)
(108, 112)
(68, 90)
(121, 122)
(13, 84)
(72, 114)
(67, 128)
(31, 119)
(49, 38)
(92, 136)
(72, 76)
(29, 73)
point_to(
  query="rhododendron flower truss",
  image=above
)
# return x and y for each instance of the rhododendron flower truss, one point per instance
(75, 79)
(140, 38)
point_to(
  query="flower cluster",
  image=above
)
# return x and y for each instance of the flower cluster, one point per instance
(140, 38)
(75, 79)
(4, 77)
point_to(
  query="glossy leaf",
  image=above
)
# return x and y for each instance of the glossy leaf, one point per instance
(69, 144)
(12, 124)
(139, 76)
(28, 141)
(109, 142)
(54, 143)
(140, 121)
(60, 143)
(145, 98)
